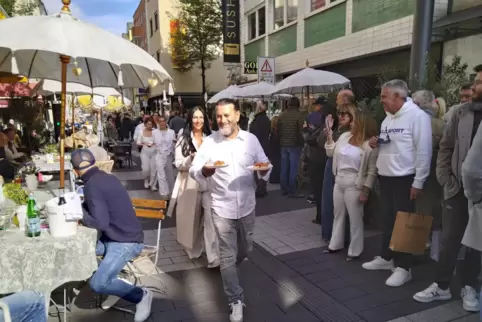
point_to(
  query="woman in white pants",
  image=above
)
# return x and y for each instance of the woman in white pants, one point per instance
(190, 200)
(164, 139)
(145, 140)
(354, 168)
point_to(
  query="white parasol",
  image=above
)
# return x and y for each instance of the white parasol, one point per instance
(232, 92)
(33, 45)
(49, 87)
(260, 89)
(317, 80)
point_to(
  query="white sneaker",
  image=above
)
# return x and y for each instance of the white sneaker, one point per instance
(236, 314)
(153, 188)
(378, 263)
(143, 308)
(469, 299)
(399, 277)
(432, 293)
(146, 184)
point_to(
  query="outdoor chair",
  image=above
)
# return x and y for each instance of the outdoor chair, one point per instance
(105, 166)
(122, 152)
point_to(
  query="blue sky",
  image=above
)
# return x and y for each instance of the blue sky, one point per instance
(111, 15)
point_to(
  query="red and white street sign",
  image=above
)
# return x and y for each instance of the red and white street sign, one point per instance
(266, 70)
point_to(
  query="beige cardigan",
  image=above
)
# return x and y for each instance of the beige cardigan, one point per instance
(368, 165)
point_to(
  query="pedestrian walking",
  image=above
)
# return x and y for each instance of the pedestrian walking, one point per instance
(145, 140)
(164, 140)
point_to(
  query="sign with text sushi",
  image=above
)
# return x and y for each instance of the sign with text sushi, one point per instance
(231, 31)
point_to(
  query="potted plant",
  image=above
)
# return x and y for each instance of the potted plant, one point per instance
(50, 150)
(17, 195)
(29, 170)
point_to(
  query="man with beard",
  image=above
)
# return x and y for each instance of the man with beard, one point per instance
(232, 188)
(454, 147)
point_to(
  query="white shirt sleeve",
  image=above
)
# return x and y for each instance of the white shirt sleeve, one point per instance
(422, 139)
(201, 158)
(137, 132)
(260, 157)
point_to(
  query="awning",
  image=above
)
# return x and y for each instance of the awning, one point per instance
(460, 23)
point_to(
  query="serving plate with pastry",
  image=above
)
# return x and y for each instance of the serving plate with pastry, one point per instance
(216, 165)
(261, 166)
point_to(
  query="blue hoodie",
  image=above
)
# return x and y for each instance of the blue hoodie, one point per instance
(108, 208)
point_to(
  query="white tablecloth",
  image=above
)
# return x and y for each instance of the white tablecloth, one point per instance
(45, 263)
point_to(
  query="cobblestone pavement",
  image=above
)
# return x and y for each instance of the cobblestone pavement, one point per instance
(286, 278)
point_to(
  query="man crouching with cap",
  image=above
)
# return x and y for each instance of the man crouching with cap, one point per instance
(108, 208)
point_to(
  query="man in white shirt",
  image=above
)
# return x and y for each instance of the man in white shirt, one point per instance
(233, 194)
(405, 152)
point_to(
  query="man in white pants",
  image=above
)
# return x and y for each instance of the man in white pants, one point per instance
(233, 194)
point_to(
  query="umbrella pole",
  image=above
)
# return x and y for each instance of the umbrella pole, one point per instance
(73, 118)
(65, 60)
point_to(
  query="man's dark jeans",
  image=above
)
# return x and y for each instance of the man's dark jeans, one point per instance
(290, 161)
(395, 197)
(455, 216)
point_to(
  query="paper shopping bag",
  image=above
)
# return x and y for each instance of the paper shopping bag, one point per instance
(410, 233)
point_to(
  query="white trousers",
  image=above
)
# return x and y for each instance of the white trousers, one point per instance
(207, 240)
(148, 164)
(346, 198)
(165, 174)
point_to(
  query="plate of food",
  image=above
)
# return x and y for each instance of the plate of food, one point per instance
(216, 164)
(261, 166)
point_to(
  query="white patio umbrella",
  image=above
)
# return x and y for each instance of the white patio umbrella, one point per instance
(33, 45)
(49, 87)
(231, 92)
(257, 90)
(318, 80)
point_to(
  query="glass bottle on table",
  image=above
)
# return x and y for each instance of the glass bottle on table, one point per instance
(33, 218)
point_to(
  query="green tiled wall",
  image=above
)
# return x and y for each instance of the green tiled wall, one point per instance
(254, 49)
(283, 42)
(326, 25)
(370, 13)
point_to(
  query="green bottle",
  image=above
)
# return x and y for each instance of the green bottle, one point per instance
(33, 218)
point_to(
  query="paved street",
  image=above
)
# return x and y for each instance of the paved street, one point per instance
(286, 278)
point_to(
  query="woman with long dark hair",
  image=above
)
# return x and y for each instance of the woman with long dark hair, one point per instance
(190, 200)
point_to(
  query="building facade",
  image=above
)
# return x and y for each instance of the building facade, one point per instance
(139, 35)
(159, 14)
(356, 38)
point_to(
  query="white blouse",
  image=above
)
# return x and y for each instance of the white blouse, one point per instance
(349, 157)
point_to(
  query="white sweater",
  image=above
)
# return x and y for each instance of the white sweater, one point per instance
(410, 149)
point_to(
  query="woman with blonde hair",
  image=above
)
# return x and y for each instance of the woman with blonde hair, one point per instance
(343, 119)
(355, 170)
(429, 203)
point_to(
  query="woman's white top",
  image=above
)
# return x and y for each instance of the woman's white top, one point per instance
(144, 140)
(349, 158)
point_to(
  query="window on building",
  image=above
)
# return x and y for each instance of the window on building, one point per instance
(156, 20)
(252, 26)
(261, 21)
(158, 56)
(151, 28)
(317, 4)
(279, 13)
(285, 12)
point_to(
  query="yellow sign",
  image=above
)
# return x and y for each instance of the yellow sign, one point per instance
(3, 14)
(231, 49)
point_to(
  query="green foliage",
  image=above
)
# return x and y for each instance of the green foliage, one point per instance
(198, 38)
(14, 8)
(446, 85)
(16, 193)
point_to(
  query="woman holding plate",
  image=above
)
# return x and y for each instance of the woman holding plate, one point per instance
(190, 200)
(145, 140)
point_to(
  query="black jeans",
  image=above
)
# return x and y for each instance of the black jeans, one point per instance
(455, 216)
(395, 197)
(316, 170)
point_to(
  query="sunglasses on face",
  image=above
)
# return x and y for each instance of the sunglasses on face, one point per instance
(384, 140)
(341, 114)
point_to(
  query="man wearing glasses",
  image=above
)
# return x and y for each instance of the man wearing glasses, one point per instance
(405, 152)
(465, 95)
(454, 147)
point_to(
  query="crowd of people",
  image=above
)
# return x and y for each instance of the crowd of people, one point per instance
(421, 157)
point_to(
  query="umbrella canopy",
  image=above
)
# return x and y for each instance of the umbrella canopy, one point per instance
(318, 80)
(50, 87)
(105, 59)
(232, 91)
(257, 90)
